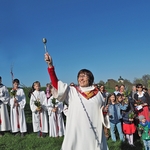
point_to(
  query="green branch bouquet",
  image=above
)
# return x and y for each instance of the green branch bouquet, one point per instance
(54, 102)
(13, 93)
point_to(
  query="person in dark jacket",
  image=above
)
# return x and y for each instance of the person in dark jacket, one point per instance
(142, 102)
(129, 128)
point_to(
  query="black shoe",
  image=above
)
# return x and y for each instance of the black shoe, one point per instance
(132, 145)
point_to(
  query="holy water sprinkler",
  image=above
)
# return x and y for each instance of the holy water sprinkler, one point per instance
(45, 41)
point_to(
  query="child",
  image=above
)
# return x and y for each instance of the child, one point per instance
(17, 104)
(48, 90)
(4, 116)
(38, 108)
(128, 124)
(115, 116)
(143, 130)
(56, 122)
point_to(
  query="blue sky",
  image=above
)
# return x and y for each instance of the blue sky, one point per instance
(108, 37)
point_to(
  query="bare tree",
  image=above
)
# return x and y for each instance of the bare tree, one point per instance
(145, 79)
(137, 80)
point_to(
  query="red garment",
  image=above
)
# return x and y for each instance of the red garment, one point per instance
(53, 77)
(129, 128)
(145, 112)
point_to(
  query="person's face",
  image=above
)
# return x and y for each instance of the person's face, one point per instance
(143, 120)
(120, 99)
(116, 88)
(112, 98)
(139, 88)
(15, 85)
(36, 87)
(83, 80)
(101, 88)
(133, 88)
(122, 88)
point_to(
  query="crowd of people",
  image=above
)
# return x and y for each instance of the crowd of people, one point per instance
(46, 116)
(129, 113)
(92, 114)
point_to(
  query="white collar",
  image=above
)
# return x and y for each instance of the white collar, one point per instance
(140, 95)
(85, 89)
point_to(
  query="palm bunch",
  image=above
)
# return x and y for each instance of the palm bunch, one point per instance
(13, 92)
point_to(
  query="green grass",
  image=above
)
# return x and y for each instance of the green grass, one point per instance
(118, 145)
(31, 142)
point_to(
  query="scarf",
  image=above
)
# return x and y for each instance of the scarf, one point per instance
(87, 94)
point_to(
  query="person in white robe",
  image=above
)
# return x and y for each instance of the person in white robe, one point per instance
(85, 119)
(17, 105)
(56, 122)
(4, 117)
(39, 112)
(65, 110)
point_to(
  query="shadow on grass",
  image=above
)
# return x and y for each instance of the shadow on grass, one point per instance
(118, 145)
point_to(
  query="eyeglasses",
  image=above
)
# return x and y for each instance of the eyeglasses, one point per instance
(83, 76)
(139, 87)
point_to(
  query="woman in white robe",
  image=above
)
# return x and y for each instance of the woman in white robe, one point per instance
(17, 114)
(56, 122)
(85, 119)
(4, 117)
(39, 114)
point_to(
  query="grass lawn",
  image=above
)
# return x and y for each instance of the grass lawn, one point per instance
(31, 142)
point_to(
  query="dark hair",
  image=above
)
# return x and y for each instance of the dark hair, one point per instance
(119, 94)
(108, 98)
(72, 84)
(0, 77)
(146, 89)
(122, 85)
(16, 81)
(32, 88)
(89, 74)
(50, 85)
(36, 82)
(139, 84)
(31, 91)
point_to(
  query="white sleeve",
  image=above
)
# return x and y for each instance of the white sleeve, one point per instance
(44, 105)
(32, 106)
(62, 91)
(5, 95)
(60, 107)
(22, 101)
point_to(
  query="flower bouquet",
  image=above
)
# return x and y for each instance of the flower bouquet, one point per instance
(139, 104)
(126, 95)
(37, 103)
(54, 102)
(13, 93)
(131, 115)
(140, 130)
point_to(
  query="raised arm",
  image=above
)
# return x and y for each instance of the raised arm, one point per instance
(60, 90)
(51, 71)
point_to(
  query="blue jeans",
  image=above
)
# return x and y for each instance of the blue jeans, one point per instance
(112, 131)
(146, 144)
